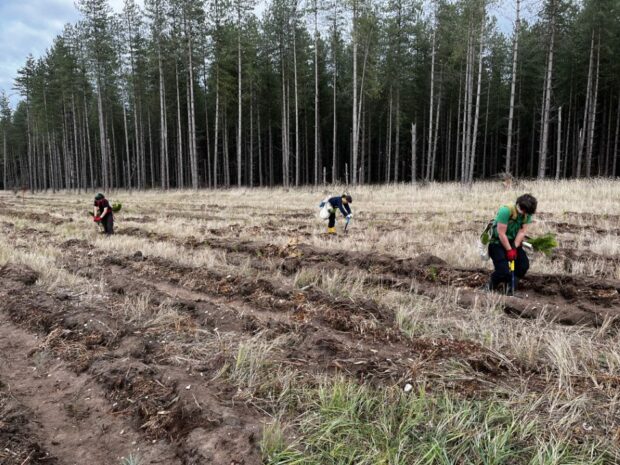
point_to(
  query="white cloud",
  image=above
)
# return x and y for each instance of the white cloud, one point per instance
(29, 26)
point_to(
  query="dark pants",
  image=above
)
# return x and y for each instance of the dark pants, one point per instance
(502, 272)
(332, 220)
(108, 224)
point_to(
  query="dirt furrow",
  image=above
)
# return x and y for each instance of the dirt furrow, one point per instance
(71, 416)
(164, 402)
(563, 298)
(19, 444)
(356, 337)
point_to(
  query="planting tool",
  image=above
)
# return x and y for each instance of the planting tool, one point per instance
(511, 265)
(346, 225)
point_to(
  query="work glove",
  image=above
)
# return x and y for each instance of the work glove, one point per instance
(97, 219)
(511, 255)
(349, 216)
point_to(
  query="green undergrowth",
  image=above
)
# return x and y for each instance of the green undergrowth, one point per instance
(344, 423)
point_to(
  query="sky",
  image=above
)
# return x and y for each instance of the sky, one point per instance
(29, 26)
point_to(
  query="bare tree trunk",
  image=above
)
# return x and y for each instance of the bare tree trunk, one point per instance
(397, 137)
(515, 51)
(102, 141)
(354, 38)
(533, 146)
(414, 161)
(466, 114)
(226, 164)
(239, 100)
(251, 154)
(216, 130)
(297, 159)
(592, 116)
(544, 143)
(335, 136)
(90, 153)
(457, 152)
(316, 95)
(285, 161)
(128, 183)
(431, 107)
(567, 136)
(608, 140)
(486, 132)
(163, 130)
(368, 175)
(4, 149)
(191, 120)
(260, 150)
(388, 167)
(180, 180)
(436, 136)
(448, 150)
(209, 180)
(583, 132)
(559, 147)
(616, 140)
(270, 155)
(474, 136)
(151, 154)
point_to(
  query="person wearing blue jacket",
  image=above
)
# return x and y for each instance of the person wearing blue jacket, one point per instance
(330, 206)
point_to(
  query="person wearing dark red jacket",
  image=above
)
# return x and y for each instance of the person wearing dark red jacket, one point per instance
(103, 215)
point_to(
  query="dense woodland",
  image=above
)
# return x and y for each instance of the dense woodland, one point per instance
(195, 93)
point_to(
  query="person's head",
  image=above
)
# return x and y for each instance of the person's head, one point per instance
(346, 198)
(99, 196)
(527, 204)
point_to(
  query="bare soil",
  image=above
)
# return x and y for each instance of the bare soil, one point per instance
(90, 377)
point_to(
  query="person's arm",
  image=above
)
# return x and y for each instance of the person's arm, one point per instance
(341, 206)
(348, 208)
(501, 232)
(105, 212)
(521, 236)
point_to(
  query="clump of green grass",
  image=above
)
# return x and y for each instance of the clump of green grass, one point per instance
(132, 460)
(306, 277)
(348, 423)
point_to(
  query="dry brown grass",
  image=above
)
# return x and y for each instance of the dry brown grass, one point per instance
(443, 220)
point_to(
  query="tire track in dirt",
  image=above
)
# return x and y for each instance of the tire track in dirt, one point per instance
(19, 443)
(71, 418)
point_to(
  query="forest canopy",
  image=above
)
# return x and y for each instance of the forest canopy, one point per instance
(195, 93)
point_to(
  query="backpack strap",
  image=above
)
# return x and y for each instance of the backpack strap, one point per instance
(514, 214)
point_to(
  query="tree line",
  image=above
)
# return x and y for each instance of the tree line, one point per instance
(208, 93)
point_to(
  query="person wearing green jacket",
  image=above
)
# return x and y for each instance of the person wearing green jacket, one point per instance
(509, 231)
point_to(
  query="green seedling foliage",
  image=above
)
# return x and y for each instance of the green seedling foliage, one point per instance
(433, 273)
(544, 244)
(485, 238)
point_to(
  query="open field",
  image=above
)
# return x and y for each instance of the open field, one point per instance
(226, 327)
